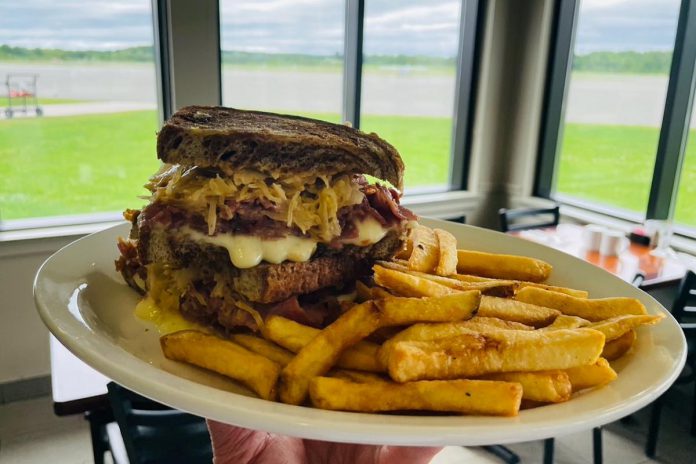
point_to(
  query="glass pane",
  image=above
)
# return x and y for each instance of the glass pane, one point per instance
(410, 54)
(77, 106)
(284, 57)
(615, 103)
(685, 213)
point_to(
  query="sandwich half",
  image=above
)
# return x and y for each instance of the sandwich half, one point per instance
(255, 213)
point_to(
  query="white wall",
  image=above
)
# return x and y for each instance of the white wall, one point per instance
(23, 337)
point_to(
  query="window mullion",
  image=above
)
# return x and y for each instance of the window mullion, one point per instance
(187, 39)
(558, 78)
(352, 61)
(463, 98)
(677, 115)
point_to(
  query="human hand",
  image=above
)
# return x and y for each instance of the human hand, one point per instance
(235, 445)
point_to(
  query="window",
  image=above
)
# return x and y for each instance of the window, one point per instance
(685, 213)
(78, 108)
(283, 57)
(615, 101)
(620, 94)
(408, 94)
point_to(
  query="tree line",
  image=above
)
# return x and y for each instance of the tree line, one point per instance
(657, 62)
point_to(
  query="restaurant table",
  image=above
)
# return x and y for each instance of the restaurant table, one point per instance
(636, 258)
(79, 389)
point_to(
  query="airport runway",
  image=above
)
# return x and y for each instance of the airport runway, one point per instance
(598, 99)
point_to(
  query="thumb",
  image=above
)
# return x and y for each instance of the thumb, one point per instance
(410, 454)
(236, 445)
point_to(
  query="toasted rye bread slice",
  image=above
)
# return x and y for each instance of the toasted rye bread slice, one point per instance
(232, 139)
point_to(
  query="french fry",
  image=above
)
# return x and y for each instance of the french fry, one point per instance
(615, 327)
(436, 331)
(447, 262)
(592, 310)
(564, 321)
(485, 397)
(294, 336)
(516, 311)
(408, 285)
(618, 347)
(362, 291)
(407, 249)
(595, 374)
(491, 286)
(517, 284)
(476, 354)
(501, 266)
(257, 372)
(448, 308)
(357, 376)
(265, 348)
(542, 386)
(554, 288)
(426, 253)
(379, 292)
(322, 352)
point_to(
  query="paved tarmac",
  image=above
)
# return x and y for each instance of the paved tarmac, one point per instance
(598, 99)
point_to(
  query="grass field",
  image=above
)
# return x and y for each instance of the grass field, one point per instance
(84, 164)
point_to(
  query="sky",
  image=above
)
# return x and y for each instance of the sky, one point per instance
(412, 27)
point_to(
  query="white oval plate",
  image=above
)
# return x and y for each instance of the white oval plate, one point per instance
(87, 306)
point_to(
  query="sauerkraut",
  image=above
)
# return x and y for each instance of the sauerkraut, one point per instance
(310, 203)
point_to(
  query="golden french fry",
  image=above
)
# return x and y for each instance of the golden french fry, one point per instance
(554, 288)
(379, 292)
(564, 321)
(436, 331)
(615, 327)
(595, 374)
(362, 292)
(592, 310)
(404, 311)
(257, 372)
(294, 336)
(425, 254)
(618, 347)
(322, 352)
(476, 354)
(485, 397)
(502, 266)
(265, 348)
(517, 284)
(357, 376)
(408, 285)
(491, 286)
(542, 386)
(407, 249)
(447, 262)
(517, 311)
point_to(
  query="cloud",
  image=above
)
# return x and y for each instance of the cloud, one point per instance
(618, 25)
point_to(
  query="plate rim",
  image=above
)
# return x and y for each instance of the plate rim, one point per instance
(84, 343)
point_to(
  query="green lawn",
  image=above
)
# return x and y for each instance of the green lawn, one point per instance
(83, 164)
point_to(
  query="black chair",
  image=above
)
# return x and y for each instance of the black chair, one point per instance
(153, 433)
(683, 310)
(529, 218)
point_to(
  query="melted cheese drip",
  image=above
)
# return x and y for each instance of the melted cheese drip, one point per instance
(247, 251)
(167, 320)
(369, 231)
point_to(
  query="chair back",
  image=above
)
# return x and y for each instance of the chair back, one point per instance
(684, 305)
(153, 433)
(529, 218)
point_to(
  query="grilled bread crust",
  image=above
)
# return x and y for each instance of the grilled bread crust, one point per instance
(232, 139)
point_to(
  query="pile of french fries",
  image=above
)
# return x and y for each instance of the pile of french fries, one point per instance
(438, 329)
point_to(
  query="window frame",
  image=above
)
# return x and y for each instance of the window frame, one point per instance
(674, 129)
